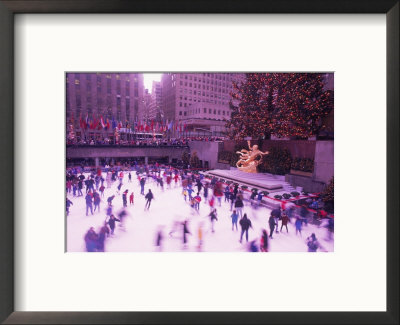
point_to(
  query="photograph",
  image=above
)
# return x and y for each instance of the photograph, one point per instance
(199, 162)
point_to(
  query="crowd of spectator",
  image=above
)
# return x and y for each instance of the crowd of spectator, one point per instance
(147, 142)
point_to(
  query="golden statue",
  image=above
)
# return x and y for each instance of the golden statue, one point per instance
(250, 159)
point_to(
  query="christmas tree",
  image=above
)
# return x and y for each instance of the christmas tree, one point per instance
(280, 104)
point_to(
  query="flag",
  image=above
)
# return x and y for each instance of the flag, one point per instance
(108, 124)
(87, 121)
(113, 123)
(119, 125)
(103, 125)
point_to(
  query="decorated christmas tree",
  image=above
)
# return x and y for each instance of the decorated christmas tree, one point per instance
(280, 104)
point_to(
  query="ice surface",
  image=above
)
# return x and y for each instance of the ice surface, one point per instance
(168, 207)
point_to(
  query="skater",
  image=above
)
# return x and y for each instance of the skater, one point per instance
(88, 200)
(239, 205)
(104, 232)
(110, 199)
(185, 231)
(312, 243)
(259, 199)
(197, 200)
(142, 182)
(80, 186)
(227, 193)
(205, 193)
(74, 189)
(199, 185)
(200, 237)
(253, 197)
(304, 214)
(234, 217)
(184, 193)
(213, 218)
(298, 225)
(129, 177)
(131, 197)
(253, 246)
(149, 196)
(125, 199)
(232, 198)
(91, 240)
(111, 223)
(68, 204)
(211, 203)
(264, 241)
(96, 201)
(101, 189)
(119, 188)
(190, 191)
(245, 224)
(159, 239)
(277, 214)
(272, 224)
(285, 220)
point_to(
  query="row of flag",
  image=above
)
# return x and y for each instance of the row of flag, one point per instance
(137, 126)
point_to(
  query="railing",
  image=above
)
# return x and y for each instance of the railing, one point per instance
(127, 145)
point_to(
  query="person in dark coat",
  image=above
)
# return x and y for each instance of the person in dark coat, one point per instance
(298, 225)
(232, 198)
(110, 199)
(245, 224)
(111, 223)
(239, 205)
(125, 198)
(149, 196)
(199, 185)
(205, 193)
(213, 218)
(80, 186)
(272, 224)
(88, 200)
(185, 232)
(159, 239)
(68, 204)
(312, 243)
(91, 240)
(104, 232)
(96, 201)
(142, 182)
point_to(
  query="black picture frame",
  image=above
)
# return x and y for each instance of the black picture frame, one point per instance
(8, 8)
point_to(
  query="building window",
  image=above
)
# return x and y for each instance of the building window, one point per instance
(180, 112)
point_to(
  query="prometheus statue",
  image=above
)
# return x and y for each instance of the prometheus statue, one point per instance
(250, 159)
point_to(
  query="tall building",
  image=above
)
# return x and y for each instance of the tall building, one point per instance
(118, 96)
(198, 100)
(155, 111)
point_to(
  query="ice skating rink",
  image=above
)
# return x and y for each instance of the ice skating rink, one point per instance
(168, 207)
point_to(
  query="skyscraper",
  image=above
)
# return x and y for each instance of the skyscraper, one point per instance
(116, 96)
(198, 100)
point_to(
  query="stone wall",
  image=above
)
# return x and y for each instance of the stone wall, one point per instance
(207, 152)
(324, 161)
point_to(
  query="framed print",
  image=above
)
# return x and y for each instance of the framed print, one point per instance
(116, 201)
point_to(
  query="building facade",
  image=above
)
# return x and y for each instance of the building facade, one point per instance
(198, 100)
(156, 111)
(118, 96)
